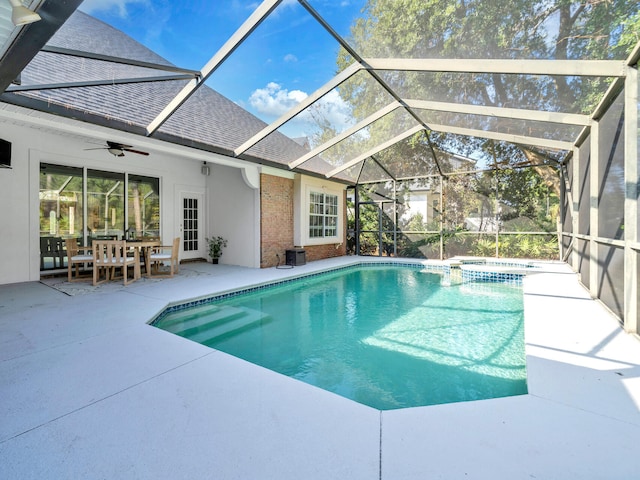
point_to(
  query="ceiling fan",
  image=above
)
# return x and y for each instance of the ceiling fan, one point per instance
(118, 149)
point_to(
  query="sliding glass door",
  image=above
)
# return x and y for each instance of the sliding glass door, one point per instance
(113, 205)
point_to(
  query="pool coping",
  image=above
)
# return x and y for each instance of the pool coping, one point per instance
(511, 272)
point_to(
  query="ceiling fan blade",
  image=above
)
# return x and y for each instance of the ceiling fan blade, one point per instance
(139, 152)
(118, 149)
(117, 145)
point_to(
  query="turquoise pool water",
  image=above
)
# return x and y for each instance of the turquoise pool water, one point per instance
(388, 337)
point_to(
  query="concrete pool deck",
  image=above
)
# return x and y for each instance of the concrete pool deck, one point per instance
(89, 390)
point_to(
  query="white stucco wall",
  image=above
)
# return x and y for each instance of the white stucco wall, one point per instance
(15, 242)
(234, 214)
(225, 193)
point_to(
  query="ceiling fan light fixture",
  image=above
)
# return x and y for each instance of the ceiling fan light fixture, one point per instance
(118, 152)
(21, 15)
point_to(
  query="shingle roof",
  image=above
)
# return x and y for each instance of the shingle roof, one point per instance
(207, 120)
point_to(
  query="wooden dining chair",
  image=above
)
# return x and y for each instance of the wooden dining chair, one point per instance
(165, 253)
(51, 247)
(109, 255)
(77, 256)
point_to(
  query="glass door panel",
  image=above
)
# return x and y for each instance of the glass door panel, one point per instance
(143, 207)
(192, 225)
(105, 205)
(61, 212)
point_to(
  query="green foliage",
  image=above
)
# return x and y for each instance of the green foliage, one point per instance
(416, 224)
(527, 200)
(485, 247)
(502, 29)
(541, 247)
(412, 248)
(522, 192)
(216, 244)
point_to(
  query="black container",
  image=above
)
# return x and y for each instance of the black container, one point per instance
(296, 257)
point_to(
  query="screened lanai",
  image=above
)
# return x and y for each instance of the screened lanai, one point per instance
(499, 128)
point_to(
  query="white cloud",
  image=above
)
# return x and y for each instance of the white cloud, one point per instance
(119, 6)
(290, 57)
(334, 109)
(274, 101)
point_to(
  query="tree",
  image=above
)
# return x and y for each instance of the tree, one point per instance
(504, 29)
(476, 29)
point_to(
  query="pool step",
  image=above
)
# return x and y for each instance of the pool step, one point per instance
(193, 316)
(193, 326)
(216, 330)
(206, 324)
(187, 313)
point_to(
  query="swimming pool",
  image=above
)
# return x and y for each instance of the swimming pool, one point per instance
(385, 336)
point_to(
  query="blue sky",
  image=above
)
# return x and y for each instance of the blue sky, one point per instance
(288, 57)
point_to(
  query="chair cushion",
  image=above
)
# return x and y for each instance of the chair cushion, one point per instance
(82, 258)
(118, 261)
(159, 256)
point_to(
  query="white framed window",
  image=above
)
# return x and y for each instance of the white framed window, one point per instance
(323, 215)
(318, 211)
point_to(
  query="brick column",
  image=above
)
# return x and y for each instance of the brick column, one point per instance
(276, 219)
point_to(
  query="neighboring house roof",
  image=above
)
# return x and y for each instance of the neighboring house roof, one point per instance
(207, 120)
(302, 141)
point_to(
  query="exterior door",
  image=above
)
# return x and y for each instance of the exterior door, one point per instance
(376, 228)
(191, 221)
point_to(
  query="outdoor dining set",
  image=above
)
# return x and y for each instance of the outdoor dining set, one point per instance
(121, 259)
